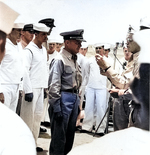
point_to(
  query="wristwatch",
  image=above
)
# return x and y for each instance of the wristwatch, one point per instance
(105, 70)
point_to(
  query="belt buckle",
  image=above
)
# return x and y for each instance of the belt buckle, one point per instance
(75, 91)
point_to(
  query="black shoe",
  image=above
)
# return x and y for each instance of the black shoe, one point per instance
(46, 124)
(93, 127)
(39, 149)
(85, 131)
(100, 134)
(78, 128)
(43, 130)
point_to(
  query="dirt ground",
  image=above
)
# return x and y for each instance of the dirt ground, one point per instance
(80, 138)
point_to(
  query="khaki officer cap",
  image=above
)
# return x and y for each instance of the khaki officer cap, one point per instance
(7, 18)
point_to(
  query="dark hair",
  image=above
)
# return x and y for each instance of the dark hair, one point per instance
(2, 37)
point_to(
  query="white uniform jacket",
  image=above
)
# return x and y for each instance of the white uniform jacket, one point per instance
(35, 61)
(96, 80)
(11, 65)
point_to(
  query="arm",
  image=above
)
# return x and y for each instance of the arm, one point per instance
(54, 84)
(120, 81)
(27, 65)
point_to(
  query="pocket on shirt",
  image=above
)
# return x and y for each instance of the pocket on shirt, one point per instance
(68, 70)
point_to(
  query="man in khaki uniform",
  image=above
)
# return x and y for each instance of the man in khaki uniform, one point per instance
(64, 82)
(121, 82)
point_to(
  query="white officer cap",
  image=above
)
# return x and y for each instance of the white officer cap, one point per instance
(18, 25)
(7, 18)
(41, 27)
(84, 45)
(142, 38)
(98, 45)
(145, 21)
(51, 40)
(107, 46)
(60, 41)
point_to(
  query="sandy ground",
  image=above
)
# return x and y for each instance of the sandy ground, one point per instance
(80, 138)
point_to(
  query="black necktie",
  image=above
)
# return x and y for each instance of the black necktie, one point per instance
(74, 58)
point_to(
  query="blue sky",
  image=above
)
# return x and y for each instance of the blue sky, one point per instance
(102, 20)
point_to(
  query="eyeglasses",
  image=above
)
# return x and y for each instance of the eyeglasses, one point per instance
(98, 48)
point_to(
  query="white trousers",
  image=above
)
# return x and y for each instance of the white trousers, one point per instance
(95, 108)
(45, 115)
(11, 94)
(31, 112)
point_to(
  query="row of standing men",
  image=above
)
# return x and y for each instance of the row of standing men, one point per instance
(30, 67)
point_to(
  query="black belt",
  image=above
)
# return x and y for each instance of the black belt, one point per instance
(76, 91)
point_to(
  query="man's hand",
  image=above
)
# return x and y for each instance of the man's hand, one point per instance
(102, 61)
(121, 92)
(29, 97)
(58, 116)
(2, 99)
(114, 93)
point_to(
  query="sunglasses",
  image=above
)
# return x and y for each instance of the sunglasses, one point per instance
(106, 50)
(98, 48)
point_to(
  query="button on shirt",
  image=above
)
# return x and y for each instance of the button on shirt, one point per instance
(64, 74)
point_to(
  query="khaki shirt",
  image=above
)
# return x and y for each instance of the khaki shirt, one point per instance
(64, 74)
(122, 81)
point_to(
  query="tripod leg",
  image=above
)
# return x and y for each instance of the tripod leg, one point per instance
(101, 121)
